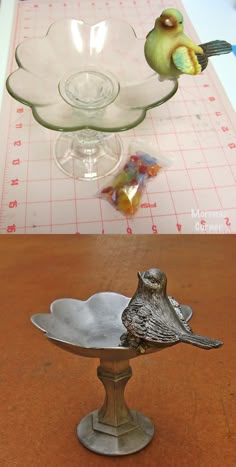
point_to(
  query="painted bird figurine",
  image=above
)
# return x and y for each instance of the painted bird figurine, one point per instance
(170, 53)
(151, 319)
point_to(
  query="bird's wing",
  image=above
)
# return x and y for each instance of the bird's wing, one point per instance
(158, 331)
(135, 316)
(142, 322)
(179, 313)
(186, 61)
(202, 60)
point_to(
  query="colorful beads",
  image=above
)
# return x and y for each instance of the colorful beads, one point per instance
(127, 187)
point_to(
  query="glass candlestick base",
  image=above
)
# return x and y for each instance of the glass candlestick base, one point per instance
(88, 154)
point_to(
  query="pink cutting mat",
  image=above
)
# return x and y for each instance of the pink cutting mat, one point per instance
(196, 194)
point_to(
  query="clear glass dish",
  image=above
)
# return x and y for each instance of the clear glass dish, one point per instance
(89, 81)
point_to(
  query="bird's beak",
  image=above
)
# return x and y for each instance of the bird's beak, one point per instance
(140, 275)
(169, 22)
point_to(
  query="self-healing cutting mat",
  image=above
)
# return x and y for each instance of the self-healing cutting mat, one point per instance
(195, 130)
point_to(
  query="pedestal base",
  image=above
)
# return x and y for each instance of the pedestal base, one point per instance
(112, 441)
(88, 154)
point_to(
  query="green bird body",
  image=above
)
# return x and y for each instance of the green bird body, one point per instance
(160, 47)
(168, 50)
(170, 53)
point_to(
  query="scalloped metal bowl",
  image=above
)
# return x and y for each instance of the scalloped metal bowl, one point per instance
(87, 76)
(91, 328)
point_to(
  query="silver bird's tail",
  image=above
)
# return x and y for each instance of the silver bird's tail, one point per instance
(200, 341)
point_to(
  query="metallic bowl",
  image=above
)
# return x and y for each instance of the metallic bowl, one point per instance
(92, 328)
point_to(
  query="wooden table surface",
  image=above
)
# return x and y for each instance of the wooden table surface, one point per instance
(189, 393)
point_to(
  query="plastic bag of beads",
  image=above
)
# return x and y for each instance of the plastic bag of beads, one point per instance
(125, 191)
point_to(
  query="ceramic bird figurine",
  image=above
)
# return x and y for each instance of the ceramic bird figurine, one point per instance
(170, 53)
(151, 319)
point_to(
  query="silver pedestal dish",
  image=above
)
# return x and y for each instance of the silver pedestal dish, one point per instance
(93, 328)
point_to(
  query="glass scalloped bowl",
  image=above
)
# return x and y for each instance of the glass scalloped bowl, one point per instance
(88, 82)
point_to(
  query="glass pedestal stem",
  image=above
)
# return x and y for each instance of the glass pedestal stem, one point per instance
(88, 154)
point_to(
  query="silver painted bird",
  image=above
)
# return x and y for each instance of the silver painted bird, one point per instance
(170, 53)
(151, 319)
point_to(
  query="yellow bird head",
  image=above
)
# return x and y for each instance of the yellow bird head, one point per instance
(171, 20)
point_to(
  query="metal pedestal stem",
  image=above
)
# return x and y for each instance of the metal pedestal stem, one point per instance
(114, 430)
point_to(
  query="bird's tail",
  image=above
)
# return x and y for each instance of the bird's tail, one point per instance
(200, 341)
(216, 48)
(213, 48)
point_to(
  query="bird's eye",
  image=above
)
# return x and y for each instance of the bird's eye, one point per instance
(153, 280)
(180, 22)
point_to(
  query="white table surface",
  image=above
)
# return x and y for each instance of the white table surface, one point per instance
(212, 20)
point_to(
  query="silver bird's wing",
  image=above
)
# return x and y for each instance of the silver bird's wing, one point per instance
(158, 331)
(178, 311)
(134, 316)
(140, 320)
